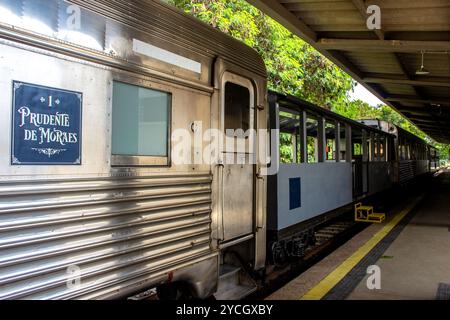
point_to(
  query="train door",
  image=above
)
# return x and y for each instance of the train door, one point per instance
(237, 183)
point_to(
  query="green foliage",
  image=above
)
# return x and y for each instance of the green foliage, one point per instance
(443, 150)
(312, 149)
(286, 155)
(293, 66)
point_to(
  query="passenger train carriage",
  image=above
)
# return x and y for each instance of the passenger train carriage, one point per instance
(331, 163)
(94, 200)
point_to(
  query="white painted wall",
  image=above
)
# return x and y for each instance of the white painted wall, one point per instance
(324, 187)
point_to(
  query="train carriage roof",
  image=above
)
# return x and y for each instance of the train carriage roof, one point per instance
(296, 103)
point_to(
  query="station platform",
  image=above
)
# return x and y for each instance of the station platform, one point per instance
(410, 250)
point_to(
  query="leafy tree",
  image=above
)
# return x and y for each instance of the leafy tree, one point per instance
(293, 66)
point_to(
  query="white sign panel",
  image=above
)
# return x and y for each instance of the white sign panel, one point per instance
(166, 56)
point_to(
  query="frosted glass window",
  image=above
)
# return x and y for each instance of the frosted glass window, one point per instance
(140, 121)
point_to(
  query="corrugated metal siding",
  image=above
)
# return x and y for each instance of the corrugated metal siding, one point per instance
(114, 230)
(406, 171)
(412, 168)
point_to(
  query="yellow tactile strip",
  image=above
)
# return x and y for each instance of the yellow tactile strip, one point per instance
(332, 279)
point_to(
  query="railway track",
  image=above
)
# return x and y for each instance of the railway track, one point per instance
(329, 232)
(328, 238)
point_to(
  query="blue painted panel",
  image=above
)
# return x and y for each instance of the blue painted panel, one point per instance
(294, 193)
(46, 125)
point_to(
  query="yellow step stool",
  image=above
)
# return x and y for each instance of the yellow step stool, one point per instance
(366, 214)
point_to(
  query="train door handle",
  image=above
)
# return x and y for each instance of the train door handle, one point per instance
(221, 233)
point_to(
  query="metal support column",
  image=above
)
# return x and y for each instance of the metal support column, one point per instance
(303, 138)
(349, 143)
(321, 140)
(337, 140)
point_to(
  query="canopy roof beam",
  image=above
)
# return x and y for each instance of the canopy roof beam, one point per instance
(399, 46)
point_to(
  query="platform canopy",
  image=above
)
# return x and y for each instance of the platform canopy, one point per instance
(386, 61)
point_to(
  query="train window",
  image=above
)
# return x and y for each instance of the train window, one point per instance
(290, 141)
(380, 148)
(376, 147)
(140, 125)
(400, 149)
(357, 144)
(330, 136)
(383, 148)
(342, 143)
(408, 152)
(237, 108)
(357, 149)
(390, 147)
(312, 130)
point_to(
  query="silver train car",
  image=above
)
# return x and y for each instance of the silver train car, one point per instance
(93, 204)
(103, 195)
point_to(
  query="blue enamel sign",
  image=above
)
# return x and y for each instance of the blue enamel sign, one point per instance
(46, 126)
(295, 199)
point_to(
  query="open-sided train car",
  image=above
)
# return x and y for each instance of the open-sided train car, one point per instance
(414, 156)
(328, 162)
(95, 202)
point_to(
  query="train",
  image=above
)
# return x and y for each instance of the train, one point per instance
(332, 162)
(103, 195)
